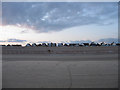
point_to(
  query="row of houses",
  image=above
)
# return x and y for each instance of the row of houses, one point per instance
(66, 44)
(74, 44)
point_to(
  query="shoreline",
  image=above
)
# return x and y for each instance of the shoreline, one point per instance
(60, 50)
(59, 57)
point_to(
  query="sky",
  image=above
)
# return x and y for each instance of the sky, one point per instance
(37, 22)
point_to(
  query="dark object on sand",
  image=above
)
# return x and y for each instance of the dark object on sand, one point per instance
(49, 50)
(118, 44)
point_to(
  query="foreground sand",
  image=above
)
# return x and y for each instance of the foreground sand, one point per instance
(98, 69)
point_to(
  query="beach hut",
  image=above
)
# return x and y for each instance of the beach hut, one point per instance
(3, 45)
(34, 45)
(49, 44)
(98, 44)
(28, 45)
(103, 44)
(60, 44)
(118, 44)
(53, 44)
(77, 44)
(39, 45)
(8, 45)
(81, 45)
(72, 44)
(66, 44)
(16, 45)
(44, 44)
(93, 44)
(86, 44)
(113, 44)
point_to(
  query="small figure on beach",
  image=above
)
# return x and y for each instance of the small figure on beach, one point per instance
(49, 51)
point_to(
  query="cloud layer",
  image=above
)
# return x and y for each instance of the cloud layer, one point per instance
(14, 40)
(107, 40)
(56, 16)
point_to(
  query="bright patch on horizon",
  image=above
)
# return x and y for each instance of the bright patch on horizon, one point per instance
(12, 31)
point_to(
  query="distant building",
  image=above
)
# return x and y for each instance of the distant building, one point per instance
(93, 44)
(113, 44)
(77, 44)
(8, 45)
(118, 44)
(49, 44)
(86, 44)
(60, 44)
(27, 45)
(81, 45)
(74, 44)
(66, 44)
(52, 44)
(3, 45)
(34, 45)
(98, 44)
(103, 44)
(16, 45)
(44, 44)
(39, 45)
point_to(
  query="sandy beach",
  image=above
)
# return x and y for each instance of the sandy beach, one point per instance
(62, 67)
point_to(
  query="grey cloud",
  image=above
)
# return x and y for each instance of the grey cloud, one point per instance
(44, 42)
(81, 41)
(15, 40)
(2, 41)
(108, 40)
(55, 16)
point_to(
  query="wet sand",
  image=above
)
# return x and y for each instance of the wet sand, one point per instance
(61, 68)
